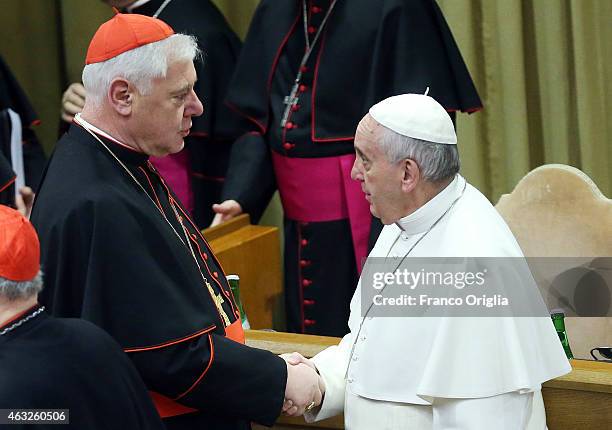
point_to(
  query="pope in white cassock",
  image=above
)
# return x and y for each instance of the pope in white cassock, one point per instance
(432, 373)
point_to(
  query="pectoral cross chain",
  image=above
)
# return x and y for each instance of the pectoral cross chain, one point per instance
(290, 101)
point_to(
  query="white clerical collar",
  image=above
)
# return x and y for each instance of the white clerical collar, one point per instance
(136, 5)
(421, 219)
(86, 125)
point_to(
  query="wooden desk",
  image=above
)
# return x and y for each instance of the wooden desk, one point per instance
(253, 253)
(579, 400)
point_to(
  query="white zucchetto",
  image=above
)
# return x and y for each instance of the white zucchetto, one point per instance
(416, 115)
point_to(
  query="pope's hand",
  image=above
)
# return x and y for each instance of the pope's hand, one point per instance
(295, 359)
(73, 101)
(225, 211)
(303, 390)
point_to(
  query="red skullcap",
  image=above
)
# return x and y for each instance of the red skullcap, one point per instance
(19, 247)
(124, 32)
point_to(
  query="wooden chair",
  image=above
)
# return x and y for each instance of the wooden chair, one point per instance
(557, 211)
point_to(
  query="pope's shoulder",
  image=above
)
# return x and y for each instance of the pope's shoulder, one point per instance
(479, 229)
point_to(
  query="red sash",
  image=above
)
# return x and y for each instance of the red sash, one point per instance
(166, 407)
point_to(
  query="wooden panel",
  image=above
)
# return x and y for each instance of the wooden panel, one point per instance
(279, 343)
(586, 375)
(581, 399)
(573, 410)
(252, 252)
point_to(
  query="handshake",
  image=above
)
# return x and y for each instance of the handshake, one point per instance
(305, 387)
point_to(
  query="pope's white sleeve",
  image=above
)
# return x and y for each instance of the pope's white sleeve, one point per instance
(331, 364)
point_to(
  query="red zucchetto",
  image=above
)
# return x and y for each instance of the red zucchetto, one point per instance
(19, 247)
(124, 32)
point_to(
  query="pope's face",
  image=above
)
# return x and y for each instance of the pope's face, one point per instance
(162, 119)
(381, 180)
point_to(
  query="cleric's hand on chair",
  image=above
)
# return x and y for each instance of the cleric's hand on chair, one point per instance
(225, 211)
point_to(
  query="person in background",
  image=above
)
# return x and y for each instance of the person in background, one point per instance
(195, 174)
(22, 158)
(308, 71)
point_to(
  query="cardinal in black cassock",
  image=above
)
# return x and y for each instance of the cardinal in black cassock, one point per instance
(58, 364)
(62, 363)
(121, 251)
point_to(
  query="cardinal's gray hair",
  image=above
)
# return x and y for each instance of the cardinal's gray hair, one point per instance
(139, 66)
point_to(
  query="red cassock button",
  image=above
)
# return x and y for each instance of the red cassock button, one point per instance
(288, 146)
(316, 9)
(303, 69)
(215, 274)
(304, 242)
(304, 263)
(205, 256)
(309, 322)
(302, 88)
(312, 30)
(289, 125)
(308, 302)
(306, 282)
(295, 108)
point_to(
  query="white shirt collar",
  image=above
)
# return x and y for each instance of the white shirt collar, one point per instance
(86, 125)
(136, 4)
(421, 219)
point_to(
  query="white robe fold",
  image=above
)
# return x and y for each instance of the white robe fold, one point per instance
(447, 362)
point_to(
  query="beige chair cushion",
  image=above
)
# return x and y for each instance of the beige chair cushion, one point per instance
(557, 211)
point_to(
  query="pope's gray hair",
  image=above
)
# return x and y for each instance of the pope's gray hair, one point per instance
(139, 66)
(437, 161)
(14, 290)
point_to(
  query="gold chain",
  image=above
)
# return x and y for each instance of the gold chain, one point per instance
(214, 297)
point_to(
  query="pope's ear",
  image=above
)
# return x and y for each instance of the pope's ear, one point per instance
(411, 174)
(121, 96)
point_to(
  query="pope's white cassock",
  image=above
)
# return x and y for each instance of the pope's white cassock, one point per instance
(442, 373)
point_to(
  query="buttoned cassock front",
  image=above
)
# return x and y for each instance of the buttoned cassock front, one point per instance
(367, 51)
(420, 373)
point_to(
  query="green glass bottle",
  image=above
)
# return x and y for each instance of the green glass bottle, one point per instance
(234, 282)
(558, 317)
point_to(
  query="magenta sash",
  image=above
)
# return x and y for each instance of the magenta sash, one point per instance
(175, 169)
(321, 189)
